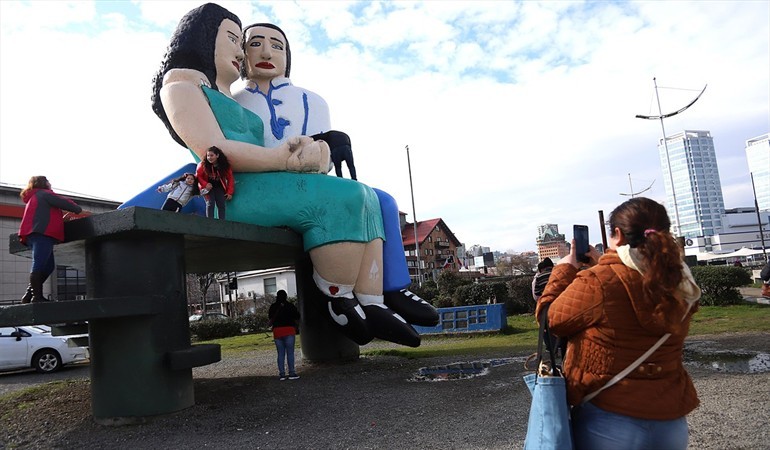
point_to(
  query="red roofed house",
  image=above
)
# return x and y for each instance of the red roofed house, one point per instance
(437, 244)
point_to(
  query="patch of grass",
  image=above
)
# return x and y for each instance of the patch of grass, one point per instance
(244, 343)
(520, 335)
(730, 319)
(18, 402)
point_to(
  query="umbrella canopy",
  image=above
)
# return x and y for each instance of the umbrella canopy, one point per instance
(738, 253)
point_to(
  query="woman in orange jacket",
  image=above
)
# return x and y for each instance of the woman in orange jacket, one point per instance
(612, 313)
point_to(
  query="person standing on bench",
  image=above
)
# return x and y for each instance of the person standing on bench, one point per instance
(42, 226)
(215, 177)
(339, 219)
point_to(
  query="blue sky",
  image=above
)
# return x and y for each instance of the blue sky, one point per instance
(515, 113)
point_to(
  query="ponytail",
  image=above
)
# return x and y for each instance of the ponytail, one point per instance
(663, 257)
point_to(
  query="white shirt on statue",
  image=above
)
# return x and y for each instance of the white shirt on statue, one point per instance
(286, 110)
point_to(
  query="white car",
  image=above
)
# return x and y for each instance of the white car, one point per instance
(33, 346)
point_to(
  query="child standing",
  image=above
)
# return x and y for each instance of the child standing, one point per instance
(181, 191)
(216, 177)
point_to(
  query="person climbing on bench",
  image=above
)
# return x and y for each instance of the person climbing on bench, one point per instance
(42, 226)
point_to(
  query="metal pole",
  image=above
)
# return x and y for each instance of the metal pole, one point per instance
(759, 217)
(602, 228)
(668, 162)
(414, 216)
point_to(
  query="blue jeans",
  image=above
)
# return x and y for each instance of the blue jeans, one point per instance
(285, 347)
(42, 253)
(596, 429)
(216, 197)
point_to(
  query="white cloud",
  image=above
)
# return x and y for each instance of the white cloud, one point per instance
(516, 113)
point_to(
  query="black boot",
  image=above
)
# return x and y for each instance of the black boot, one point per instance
(412, 308)
(27, 295)
(36, 280)
(350, 319)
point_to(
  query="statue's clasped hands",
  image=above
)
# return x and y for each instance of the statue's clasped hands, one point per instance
(307, 155)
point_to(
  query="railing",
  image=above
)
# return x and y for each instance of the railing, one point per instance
(465, 319)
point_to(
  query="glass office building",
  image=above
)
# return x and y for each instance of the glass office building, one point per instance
(689, 159)
(758, 156)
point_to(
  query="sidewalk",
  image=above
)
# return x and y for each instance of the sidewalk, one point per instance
(754, 295)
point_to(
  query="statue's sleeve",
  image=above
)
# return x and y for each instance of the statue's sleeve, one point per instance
(318, 114)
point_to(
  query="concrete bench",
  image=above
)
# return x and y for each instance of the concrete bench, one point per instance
(135, 261)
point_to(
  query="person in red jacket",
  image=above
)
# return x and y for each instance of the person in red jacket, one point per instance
(42, 226)
(638, 296)
(215, 178)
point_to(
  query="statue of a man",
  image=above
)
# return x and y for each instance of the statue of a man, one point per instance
(294, 111)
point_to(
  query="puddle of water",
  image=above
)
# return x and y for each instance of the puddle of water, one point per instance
(730, 362)
(461, 370)
(722, 361)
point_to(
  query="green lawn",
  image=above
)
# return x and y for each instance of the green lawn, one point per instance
(521, 334)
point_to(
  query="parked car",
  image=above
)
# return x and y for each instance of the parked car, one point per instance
(208, 316)
(33, 346)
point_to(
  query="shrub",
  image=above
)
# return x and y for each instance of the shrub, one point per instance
(480, 294)
(427, 292)
(449, 281)
(442, 301)
(254, 322)
(719, 284)
(520, 295)
(215, 329)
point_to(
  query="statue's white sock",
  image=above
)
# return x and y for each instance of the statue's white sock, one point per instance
(376, 300)
(368, 300)
(332, 289)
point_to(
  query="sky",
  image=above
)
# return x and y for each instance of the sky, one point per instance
(515, 114)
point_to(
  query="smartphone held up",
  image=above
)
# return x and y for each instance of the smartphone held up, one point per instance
(580, 233)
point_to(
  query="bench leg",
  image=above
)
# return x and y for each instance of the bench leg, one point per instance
(130, 377)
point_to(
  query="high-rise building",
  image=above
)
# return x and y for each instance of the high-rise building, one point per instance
(758, 156)
(694, 201)
(551, 243)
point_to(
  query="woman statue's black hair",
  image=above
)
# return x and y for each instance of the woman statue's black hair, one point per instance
(192, 47)
(287, 49)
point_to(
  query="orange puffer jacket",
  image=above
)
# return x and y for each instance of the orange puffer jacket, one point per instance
(610, 323)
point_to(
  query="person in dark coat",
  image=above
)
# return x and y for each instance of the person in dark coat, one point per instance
(284, 319)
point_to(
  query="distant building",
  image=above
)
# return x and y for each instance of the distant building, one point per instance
(551, 243)
(437, 245)
(698, 191)
(739, 229)
(758, 157)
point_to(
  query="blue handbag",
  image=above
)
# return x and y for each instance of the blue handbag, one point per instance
(549, 415)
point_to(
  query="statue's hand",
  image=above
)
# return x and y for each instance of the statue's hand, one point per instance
(312, 157)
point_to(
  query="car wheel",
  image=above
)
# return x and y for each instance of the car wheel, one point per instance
(46, 361)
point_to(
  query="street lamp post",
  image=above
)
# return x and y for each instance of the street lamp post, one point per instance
(414, 216)
(759, 217)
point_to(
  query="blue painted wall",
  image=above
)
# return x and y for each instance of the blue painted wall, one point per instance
(464, 319)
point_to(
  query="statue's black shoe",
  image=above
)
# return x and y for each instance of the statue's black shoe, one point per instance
(412, 308)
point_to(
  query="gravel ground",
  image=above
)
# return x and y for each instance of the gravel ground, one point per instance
(372, 403)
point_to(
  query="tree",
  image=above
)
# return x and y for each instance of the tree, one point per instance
(198, 285)
(448, 281)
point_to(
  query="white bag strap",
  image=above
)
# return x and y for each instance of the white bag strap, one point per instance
(628, 369)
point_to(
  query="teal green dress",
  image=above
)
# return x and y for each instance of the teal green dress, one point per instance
(323, 208)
